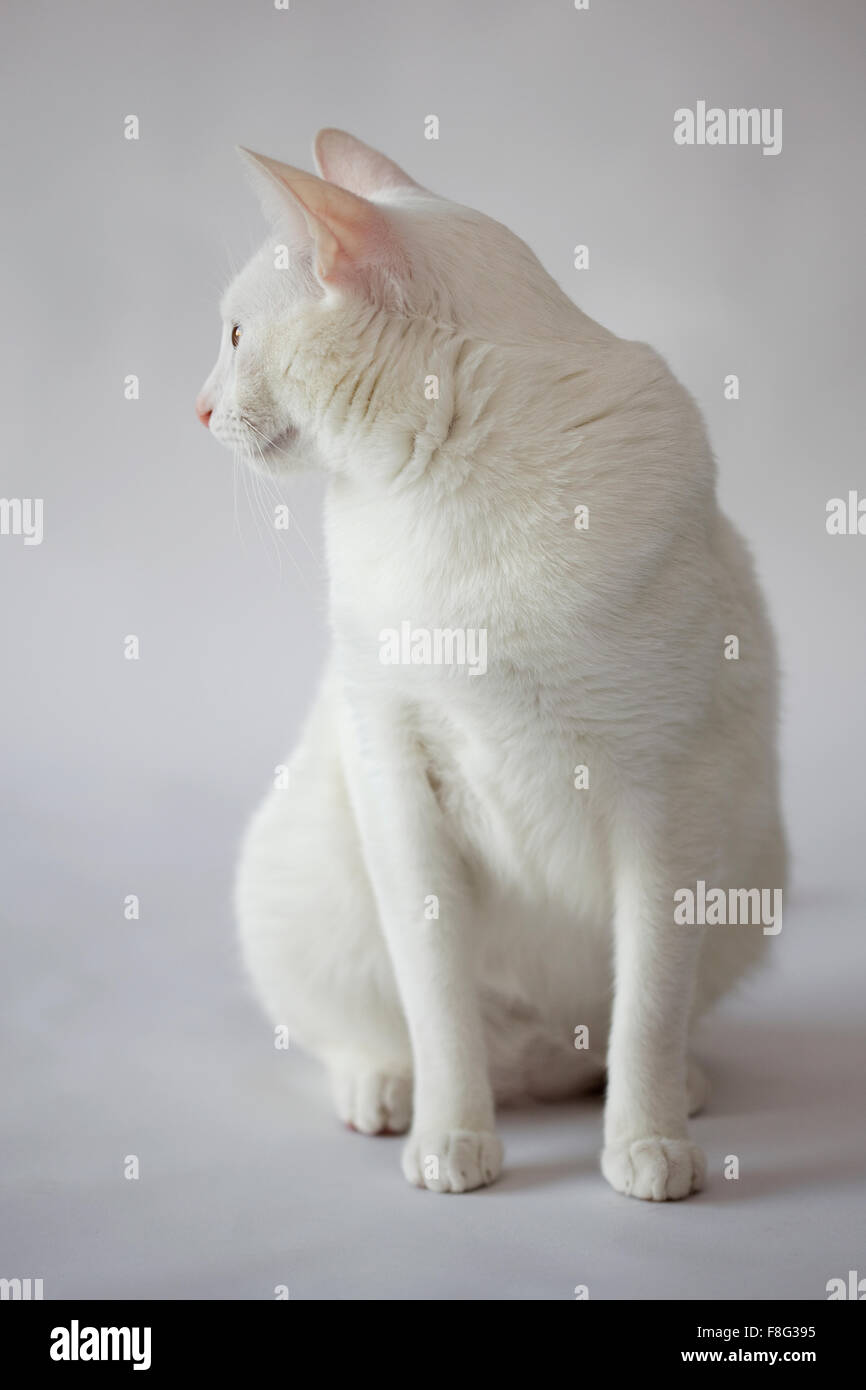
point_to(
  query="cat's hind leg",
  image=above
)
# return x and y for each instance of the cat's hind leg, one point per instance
(377, 1101)
(310, 937)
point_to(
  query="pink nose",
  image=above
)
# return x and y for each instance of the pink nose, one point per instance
(203, 413)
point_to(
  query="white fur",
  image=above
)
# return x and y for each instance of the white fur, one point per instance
(605, 648)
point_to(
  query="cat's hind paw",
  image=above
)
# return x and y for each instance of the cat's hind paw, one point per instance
(657, 1170)
(372, 1102)
(455, 1160)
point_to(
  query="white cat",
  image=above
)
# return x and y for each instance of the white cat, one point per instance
(473, 872)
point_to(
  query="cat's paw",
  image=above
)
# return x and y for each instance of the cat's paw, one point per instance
(658, 1170)
(455, 1160)
(372, 1102)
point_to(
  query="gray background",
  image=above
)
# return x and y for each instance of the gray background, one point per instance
(122, 777)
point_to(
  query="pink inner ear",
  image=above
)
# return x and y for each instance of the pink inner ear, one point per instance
(348, 231)
(351, 164)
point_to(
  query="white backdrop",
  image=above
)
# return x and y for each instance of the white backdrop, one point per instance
(122, 777)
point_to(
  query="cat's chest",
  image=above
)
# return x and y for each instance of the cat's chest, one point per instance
(411, 589)
(486, 653)
(511, 772)
(384, 579)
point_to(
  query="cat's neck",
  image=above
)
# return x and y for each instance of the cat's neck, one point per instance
(440, 412)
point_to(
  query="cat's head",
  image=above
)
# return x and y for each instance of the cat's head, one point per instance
(366, 288)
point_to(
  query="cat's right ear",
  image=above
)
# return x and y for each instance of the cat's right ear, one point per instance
(349, 234)
(343, 159)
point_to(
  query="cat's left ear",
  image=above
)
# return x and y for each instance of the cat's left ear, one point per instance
(349, 234)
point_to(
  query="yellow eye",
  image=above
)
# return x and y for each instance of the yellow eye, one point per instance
(236, 335)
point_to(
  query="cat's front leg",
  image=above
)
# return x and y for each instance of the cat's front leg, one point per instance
(647, 1149)
(424, 906)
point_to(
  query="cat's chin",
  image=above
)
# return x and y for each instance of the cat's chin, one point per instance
(278, 455)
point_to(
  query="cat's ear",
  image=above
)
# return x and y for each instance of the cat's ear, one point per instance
(272, 191)
(343, 160)
(348, 233)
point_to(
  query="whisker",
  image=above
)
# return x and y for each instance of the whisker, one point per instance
(280, 499)
(257, 480)
(303, 578)
(258, 431)
(245, 474)
(237, 520)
